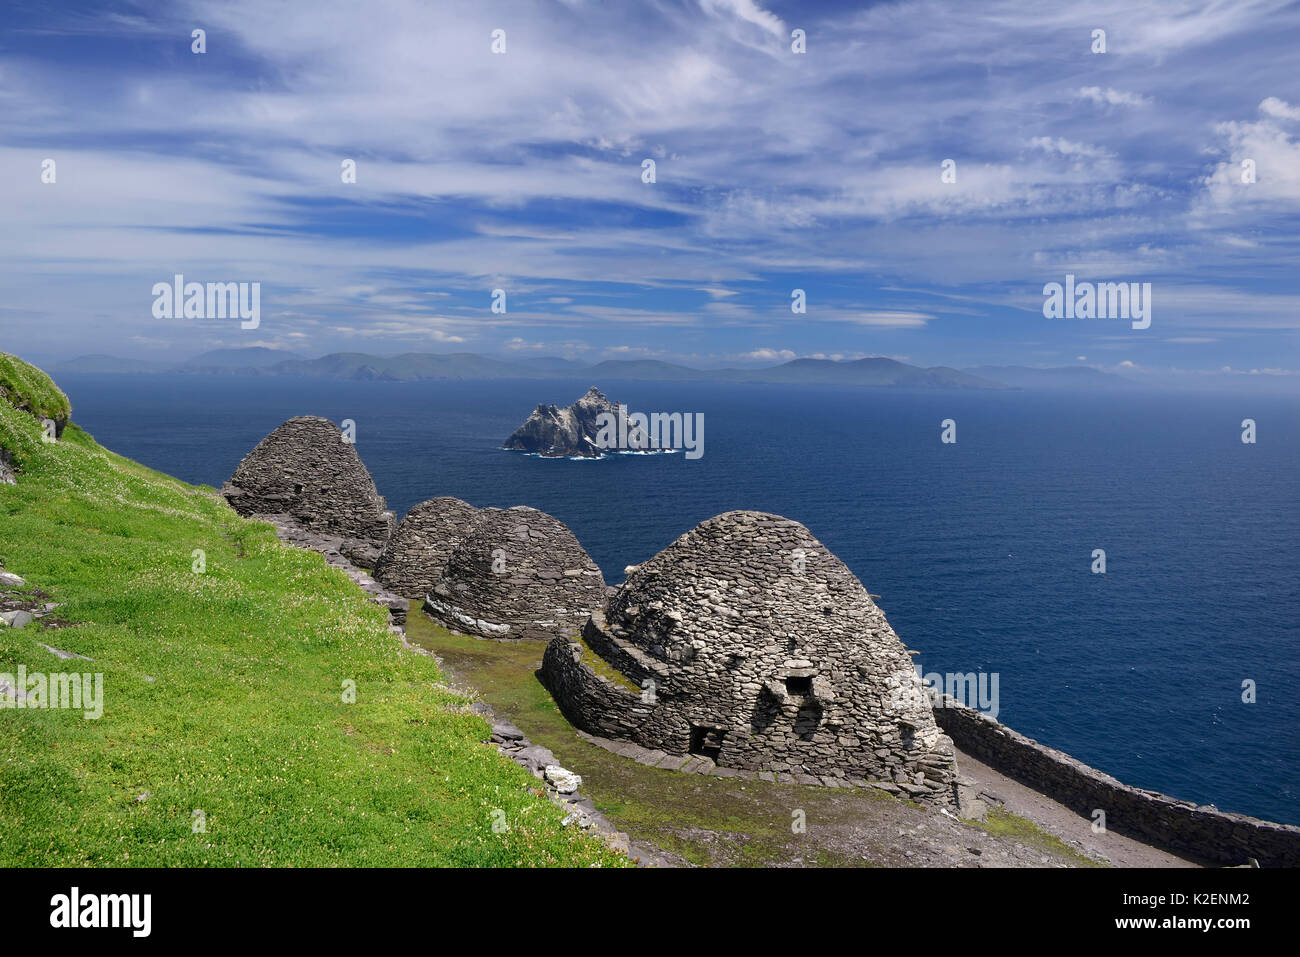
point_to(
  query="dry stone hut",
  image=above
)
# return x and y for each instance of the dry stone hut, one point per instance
(748, 643)
(306, 471)
(412, 561)
(519, 573)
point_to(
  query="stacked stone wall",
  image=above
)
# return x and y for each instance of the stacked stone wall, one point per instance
(414, 557)
(757, 648)
(1204, 832)
(518, 574)
(306, 470)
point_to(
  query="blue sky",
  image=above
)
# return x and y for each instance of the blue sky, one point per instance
(774, 171)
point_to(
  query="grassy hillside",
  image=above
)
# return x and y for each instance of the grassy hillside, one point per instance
(223, 693)
(26, 386)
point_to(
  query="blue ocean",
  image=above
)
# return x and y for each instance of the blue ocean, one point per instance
(981, 551)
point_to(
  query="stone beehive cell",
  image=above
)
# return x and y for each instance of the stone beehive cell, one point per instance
(757, 648)
(519, 573)
(306, 471)
(423, 543)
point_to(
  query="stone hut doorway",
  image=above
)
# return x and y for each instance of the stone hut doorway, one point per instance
(706, 740)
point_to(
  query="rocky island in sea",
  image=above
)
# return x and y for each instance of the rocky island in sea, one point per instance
(573, 431)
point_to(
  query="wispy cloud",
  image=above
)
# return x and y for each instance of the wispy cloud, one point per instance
(1112, 97)
(774, 170)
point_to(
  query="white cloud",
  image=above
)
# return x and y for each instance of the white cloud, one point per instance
(770, 163)
(885, 318)
(1279, 109)
(1111, 97)
(782, 355)
(1068, 147)
(1261, 148)
(750, 12)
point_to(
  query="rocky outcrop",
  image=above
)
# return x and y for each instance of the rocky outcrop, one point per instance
(8, 471)
(519, 573)
(22, 604)
(305, 469)
(412, 561)
(573, 431)
(748, 643)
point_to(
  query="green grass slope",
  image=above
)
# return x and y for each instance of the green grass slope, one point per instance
(24, 386)
(224, 693)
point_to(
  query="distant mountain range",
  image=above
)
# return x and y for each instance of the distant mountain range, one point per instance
(878, 372)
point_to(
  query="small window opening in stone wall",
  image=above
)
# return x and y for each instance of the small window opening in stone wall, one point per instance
(800, 685)
(706, 742)
(297, 488)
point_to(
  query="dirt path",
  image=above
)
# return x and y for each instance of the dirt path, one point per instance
(1057, 819)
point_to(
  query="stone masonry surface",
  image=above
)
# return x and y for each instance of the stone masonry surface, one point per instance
(413, 559)
(756, 648)
(519, 573)
(306, 470)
